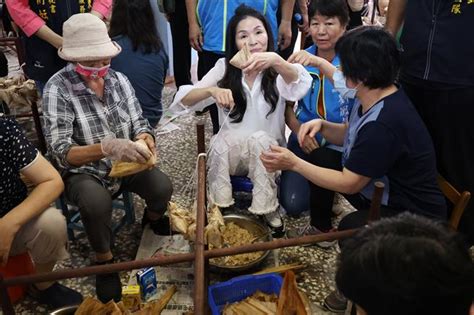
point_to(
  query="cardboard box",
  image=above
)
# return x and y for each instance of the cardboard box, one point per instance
(131, 297)
(146, 278)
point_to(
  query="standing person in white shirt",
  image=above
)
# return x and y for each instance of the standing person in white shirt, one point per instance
(251, 105)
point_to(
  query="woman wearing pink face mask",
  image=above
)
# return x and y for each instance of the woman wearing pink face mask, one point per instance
(91, 118)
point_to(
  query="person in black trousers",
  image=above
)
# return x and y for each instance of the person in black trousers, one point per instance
(442, 93)
(207, 61)
(181, 48)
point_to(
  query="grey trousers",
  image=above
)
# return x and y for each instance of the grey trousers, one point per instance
(95, 201)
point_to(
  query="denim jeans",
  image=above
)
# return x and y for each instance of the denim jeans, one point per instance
(294, 188)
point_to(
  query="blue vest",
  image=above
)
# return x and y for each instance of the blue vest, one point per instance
(214, 15)
(42, 60)
(335, 109)
(437, 41)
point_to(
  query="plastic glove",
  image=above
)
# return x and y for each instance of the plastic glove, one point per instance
(124, 150)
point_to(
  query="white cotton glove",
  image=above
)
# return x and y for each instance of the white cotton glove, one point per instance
(355, 5)
(124, 150)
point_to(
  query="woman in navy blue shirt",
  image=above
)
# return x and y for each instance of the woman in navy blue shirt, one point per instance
(385, 139)
(143, 59)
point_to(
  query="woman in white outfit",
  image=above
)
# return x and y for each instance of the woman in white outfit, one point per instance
(251, 106)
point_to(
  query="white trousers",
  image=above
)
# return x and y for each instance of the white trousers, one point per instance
(233, 155)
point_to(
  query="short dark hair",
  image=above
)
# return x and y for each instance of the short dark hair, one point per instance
(330, 8)
(407, 265)
(369, 54)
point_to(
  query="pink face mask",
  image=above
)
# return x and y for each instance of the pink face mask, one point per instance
(91, 72)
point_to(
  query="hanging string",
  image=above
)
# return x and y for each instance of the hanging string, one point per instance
(189, 188)
(218, 134)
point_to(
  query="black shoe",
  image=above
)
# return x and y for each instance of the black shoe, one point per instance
(108, 286)
(336, 302)
(56, 296)
(161, 226)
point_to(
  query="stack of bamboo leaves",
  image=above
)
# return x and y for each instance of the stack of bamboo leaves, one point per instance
(92, 306)
(18, 93)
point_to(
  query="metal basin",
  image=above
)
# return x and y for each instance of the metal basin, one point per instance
(65, 310)
(256, 228)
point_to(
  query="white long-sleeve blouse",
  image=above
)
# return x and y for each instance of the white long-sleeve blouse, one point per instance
(255, 117)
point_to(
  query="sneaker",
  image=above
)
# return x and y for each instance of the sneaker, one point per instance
(311, 230)
(276, 224)
(161, 226)
(336, 302)
(56, 296)
(108, 287)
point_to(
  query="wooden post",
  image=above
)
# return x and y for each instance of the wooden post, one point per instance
(201, 147)
(39, 130)
(200, 288)
(374, 212)
(174, 259)
(201, 142)
(20, 51)
(279, 243)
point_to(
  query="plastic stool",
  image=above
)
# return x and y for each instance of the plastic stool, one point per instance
(241, 191)
(241, 183)
(18, 265)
